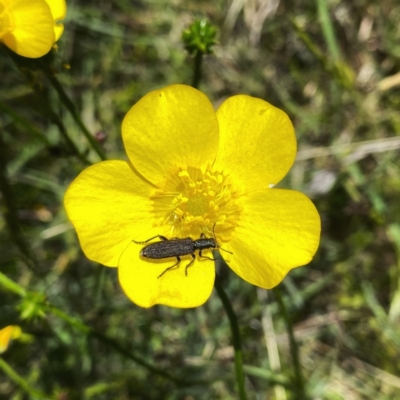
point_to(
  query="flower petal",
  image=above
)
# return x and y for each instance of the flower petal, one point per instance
(31, 28)
(168, 129)
(278, 230)
(257, 142)
(109, 205)
(7, 334)
(58, 10)
(140, 280)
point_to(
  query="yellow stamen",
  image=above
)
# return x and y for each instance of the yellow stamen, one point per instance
(191, 202)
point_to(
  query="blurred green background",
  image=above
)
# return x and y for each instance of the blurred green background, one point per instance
(333, 66)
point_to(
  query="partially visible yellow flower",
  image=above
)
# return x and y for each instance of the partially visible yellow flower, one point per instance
(7, 334)
(190, 169)
(29, 27)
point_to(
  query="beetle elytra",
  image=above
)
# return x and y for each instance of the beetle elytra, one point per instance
(177, 247)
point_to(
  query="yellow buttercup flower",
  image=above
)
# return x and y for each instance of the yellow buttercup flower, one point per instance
(190, 169)
(7, 334)
(29, 27)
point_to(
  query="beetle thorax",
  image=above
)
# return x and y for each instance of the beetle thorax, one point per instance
(205, 243)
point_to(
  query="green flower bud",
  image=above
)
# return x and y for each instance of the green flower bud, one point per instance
(199, 37)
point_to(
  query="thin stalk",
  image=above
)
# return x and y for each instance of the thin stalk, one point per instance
(57, 120)
(65, 100)
(81, 326)
(294, 349)
(38, 134)
(327, 29)
(75, 115)
(198, 59)
(235, 337)
(12, 286)
(22, 382)
(311, 46)
(75, 322)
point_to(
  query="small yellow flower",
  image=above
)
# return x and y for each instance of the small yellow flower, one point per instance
(190, 168)
(29, 27)
(7, 334)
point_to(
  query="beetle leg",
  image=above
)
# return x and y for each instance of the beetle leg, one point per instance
(148, 240)
(191, 262)
(169, 268)
(208, 258)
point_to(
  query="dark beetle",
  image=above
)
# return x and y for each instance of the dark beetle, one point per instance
(177, 247)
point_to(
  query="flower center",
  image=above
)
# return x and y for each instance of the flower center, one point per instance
(191, 202)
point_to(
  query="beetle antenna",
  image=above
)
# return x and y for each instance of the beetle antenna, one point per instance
(214, 231)
(225, 250)
(216, 240)
(123, 251)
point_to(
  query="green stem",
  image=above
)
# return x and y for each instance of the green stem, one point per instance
(14, 287)
(71, 107)
(67, 102)
(22, 382)
(327, 29)
(11, 211)
(198, 59)
(235, 337)
(61, 127)
(312, 47)
(79, 325)
(294, 350)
